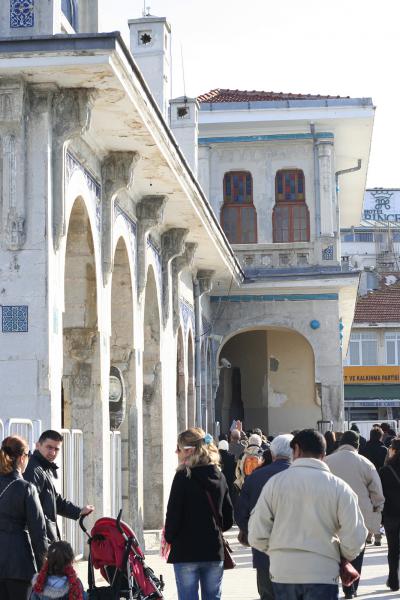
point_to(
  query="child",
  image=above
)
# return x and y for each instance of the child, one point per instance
(57, 579)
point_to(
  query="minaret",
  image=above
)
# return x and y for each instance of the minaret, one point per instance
(151, 49)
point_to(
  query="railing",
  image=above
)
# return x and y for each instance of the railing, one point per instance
(115, 472)
(72, 485)
(29, 430)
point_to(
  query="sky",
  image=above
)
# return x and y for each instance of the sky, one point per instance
(337, 47)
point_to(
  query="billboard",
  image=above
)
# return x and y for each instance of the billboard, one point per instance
(382, 204)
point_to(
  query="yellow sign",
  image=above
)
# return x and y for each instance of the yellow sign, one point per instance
(371, 374)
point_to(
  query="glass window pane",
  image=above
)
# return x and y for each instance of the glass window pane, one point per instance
(390, 352)
(369, 352)
(354, 353)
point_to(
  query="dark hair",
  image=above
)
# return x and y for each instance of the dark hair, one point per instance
(330, 439)
(50, 434)
(385, 427)
(223, 436)
(395, 459)
(376, 434)
(350, 437)
(311, 442)
(11, 449)
(355, 427)
(59, 556)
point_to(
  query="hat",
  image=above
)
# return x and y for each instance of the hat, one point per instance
(223, 445)
(254, 440)
(350, 437)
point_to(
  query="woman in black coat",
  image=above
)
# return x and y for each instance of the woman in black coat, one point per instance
(390, 477)
(23, 541)
(190, 528)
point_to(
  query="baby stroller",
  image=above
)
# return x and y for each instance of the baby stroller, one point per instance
(115, 550)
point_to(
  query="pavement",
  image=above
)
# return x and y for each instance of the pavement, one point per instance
(240, 583)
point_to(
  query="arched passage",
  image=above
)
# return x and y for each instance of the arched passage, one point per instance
(181, 408)
(271, 382)
(82, 406)
(191, 394)
(152, 410)
(122, 358)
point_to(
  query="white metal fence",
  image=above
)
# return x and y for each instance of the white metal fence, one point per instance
(29, 430)
(72, 485)
(115, 472)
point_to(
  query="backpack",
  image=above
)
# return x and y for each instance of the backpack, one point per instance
(251, 462)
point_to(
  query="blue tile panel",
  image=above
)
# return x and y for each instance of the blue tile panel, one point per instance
(22, 13)
(327, 253)
(14, 319)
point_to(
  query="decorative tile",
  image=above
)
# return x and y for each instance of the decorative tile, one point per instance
(72, 164)
(14, 319)
(327, 253)
(187, 313)
(22, 13)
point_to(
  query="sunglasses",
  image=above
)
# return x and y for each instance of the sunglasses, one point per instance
(178, 449)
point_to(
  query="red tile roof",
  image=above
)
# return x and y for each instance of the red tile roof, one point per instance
(224, 95)
(379, 306)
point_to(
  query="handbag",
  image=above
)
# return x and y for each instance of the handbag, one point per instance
(229, 561)
(348, 574)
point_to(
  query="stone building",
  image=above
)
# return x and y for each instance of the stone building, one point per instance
(125, 304)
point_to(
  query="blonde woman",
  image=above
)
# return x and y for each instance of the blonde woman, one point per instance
(196, 545)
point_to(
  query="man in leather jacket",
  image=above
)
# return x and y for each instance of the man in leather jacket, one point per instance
(40, 471)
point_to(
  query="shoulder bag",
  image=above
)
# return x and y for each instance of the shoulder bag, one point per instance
(229, 561)
(397, 478)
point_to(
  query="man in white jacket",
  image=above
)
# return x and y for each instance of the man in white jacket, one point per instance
(306, 519)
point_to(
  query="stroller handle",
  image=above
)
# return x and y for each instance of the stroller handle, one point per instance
(81, 525)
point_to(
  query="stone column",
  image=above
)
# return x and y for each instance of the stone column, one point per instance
(71, 118)
(204, 169)
(172, 245)
(326, 187)
(116, 174)
(149, 214)
(179, 263)
(13, 173)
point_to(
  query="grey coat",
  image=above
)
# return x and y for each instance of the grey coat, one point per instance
(23, 541)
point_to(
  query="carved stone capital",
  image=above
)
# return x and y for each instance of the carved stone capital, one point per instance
(172, 246)
(180, 263)
(116, 174)
(40, 97)
(11, 101)
(205, 277)
(71, 113)
(149, 214)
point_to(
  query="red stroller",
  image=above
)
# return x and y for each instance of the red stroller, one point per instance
(115, 550)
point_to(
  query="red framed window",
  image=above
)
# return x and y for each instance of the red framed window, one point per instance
(290, 217)
(238, 214)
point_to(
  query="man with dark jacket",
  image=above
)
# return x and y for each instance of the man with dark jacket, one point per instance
(375, 450)
(254, 483)
(40, 471)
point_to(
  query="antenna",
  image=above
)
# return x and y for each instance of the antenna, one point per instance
(183, 74)
(146, 9)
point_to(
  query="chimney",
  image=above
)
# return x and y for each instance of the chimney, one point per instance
(184, 125)
(151, 48)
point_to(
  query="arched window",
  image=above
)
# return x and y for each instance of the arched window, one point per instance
(290, 217)
(238, 214)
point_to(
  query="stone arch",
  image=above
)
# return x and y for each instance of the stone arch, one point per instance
(181, 406)
(152, 409)
(122, 356)
(81, 390)
(191, 393)
(271, 382)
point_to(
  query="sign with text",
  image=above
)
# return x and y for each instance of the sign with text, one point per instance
(382, 205)
(371, 374)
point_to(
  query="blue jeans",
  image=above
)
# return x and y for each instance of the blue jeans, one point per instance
(305, 591)
(189, 575)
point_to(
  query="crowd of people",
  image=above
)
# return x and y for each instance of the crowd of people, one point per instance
(35, 563)
(306, 503)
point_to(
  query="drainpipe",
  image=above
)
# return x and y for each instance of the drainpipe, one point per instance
(316, 184)
(197, 348)
(337, 174)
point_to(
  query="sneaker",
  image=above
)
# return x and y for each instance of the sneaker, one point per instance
(393, 585)
(377, 543)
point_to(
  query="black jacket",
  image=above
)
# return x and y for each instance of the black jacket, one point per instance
(375, 452)
(22, 529)
(40, 472)
(391, 491)
(190, 527)
(248, 498)
(228, 467)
